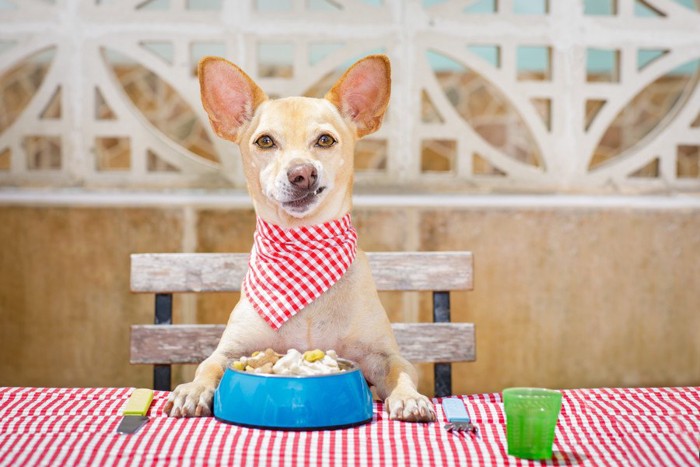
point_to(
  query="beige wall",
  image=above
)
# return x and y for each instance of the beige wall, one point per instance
(564, 297)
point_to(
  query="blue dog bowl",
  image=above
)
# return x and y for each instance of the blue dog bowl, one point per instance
(336, 400)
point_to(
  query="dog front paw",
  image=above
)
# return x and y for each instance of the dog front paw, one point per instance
(410, 408)
(190, 400)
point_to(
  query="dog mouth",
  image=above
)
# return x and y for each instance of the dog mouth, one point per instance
(303, 202)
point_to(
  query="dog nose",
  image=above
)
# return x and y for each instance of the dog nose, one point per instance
(302, 176)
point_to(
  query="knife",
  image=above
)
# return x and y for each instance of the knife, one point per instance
(457, 417)
(134, 412)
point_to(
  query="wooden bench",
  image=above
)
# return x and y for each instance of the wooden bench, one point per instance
(163, 344)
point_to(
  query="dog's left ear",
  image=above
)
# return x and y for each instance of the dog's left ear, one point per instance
(362, 93)
(229, 96)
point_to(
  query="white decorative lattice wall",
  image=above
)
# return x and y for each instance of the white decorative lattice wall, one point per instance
(515, 95)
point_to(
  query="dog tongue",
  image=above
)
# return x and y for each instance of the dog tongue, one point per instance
(303, 201)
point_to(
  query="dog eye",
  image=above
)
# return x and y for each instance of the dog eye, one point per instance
(325, 141)
(265, 142)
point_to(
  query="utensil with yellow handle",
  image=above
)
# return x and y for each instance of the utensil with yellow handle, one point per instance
(135, 411)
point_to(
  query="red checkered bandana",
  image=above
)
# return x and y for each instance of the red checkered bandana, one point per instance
(290, 268)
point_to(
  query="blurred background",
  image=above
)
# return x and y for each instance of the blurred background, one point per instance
(559, 141)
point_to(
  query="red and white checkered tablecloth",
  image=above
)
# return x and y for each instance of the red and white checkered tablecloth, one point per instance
(636, 427)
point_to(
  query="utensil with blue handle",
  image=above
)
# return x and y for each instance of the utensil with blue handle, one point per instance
(457, 417)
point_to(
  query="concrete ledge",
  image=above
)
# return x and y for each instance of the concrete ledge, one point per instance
(236, 199)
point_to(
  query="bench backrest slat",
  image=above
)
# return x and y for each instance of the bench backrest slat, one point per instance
(224, 272)
(183, 343)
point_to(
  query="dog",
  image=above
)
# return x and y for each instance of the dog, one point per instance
(297, 157)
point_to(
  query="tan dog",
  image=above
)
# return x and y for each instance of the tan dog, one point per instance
(298, 160)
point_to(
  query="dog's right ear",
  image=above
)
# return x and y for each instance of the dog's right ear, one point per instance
(362, 93)
(229, 96)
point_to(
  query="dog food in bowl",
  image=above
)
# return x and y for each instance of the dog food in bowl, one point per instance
(295, 391)
(311, 362)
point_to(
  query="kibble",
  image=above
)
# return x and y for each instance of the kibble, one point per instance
(311, 362)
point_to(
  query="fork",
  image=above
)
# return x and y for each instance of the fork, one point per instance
(457, 417)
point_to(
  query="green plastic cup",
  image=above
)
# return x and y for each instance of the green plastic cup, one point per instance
(531, 418)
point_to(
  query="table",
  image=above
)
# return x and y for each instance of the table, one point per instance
(71, 426)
